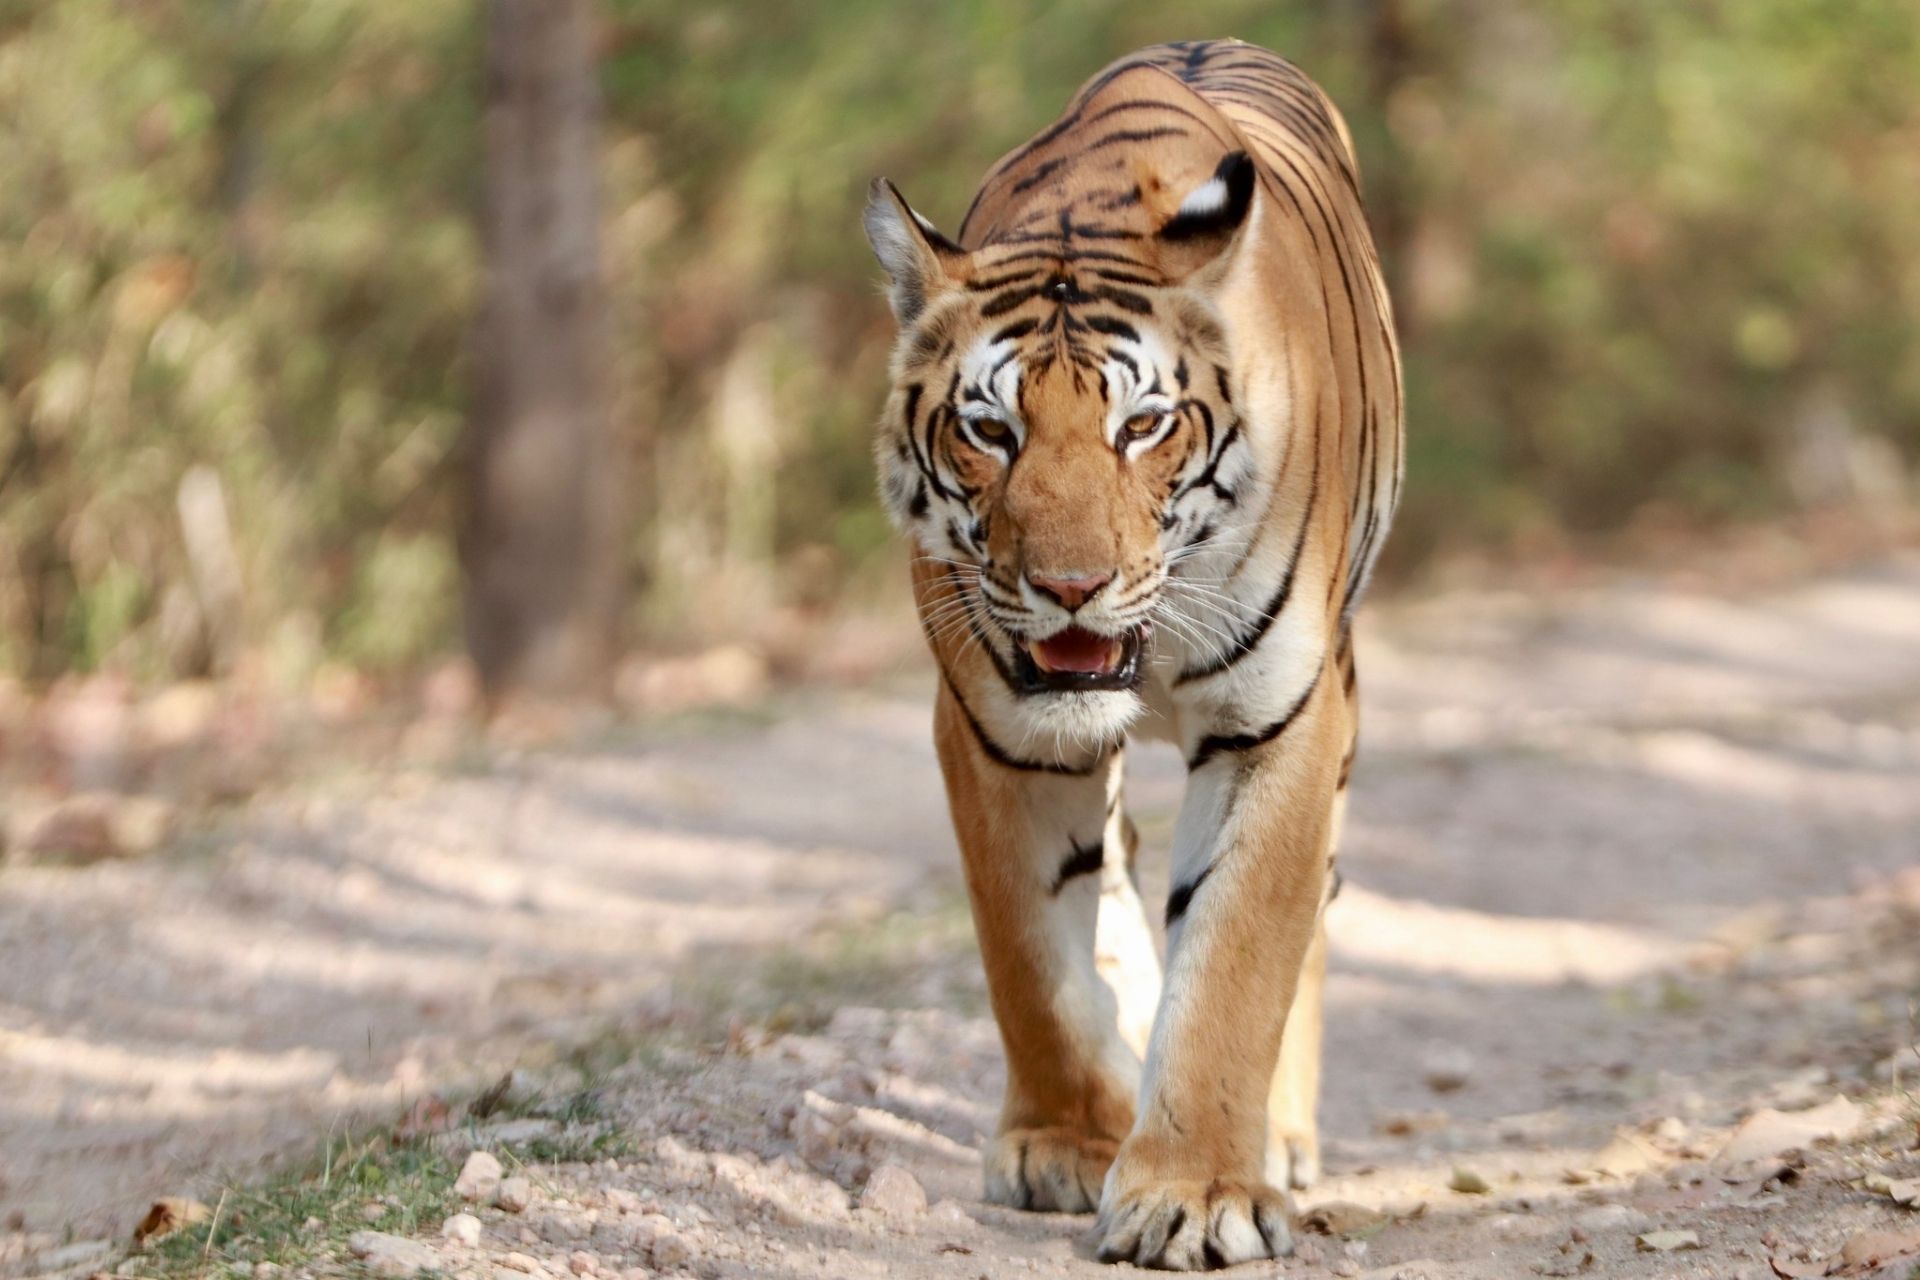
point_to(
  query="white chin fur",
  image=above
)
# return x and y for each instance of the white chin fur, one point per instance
(1064, 726)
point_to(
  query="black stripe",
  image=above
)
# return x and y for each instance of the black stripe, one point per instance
(1084, 860)
(989, 284)
(1245, 644)
(1215, 744)
(1133, 135)
(1180, 899)
(1000, 755)
(1008, 301)
(1039, 175)
(1125, 299)
(958, 587)
(1124, 277)
(922, 458)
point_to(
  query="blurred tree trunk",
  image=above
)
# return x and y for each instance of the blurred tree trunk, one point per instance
(541, 546)
(1391, 57)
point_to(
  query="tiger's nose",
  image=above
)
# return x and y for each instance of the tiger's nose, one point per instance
(1070, 592)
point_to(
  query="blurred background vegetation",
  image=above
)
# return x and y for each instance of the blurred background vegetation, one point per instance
(1657, 265)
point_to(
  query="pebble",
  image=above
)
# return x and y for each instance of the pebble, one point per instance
(894, 1192)
(479, 1178)
(1611, 1217)
(462, 1228)
(949, 1213)
(514, 1195)
(523, 1263)
(1467, 1182)
(389, 1255)
(582, 1263)
(671, 1249)
(1446, 1068)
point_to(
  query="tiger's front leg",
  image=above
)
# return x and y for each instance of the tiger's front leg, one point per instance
(1034, 840)
(1188, 1189)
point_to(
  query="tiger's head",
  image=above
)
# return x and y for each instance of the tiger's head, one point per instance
(1062, 433)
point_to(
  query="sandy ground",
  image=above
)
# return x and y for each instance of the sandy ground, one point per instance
(1621, 858)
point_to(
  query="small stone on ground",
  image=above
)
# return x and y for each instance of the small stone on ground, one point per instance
(479, 1178)
(894, 1192)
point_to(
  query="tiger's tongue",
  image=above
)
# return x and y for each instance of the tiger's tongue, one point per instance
(1076, 649)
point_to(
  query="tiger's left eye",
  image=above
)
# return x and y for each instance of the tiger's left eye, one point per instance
(1140, 426)
(994, 431)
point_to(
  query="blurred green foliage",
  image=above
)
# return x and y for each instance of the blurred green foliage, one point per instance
(232, 233)
(1649, 259)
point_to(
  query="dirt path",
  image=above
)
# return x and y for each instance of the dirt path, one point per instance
(1602, 870)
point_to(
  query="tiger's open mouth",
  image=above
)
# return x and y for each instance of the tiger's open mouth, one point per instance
(1078, 659)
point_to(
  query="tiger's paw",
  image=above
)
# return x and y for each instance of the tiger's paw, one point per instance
(1180, 1225)
(1048, 1170)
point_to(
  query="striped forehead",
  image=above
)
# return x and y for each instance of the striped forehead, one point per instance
(1134, 363)
(990, 375)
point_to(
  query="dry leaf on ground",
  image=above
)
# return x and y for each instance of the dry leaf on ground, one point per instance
(1904, 1192)
(1341, 1218)
(1626, 1156)
(168, 1215)
(1767, 1133)
(1872, 1249)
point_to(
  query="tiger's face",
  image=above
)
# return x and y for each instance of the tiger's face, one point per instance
(1062, 432)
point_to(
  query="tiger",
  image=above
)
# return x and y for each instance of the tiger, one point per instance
(1144, 434)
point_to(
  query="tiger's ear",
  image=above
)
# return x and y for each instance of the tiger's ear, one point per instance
(918, 259)
(1205, 225)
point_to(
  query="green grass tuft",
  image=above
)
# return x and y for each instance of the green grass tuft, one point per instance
(353, 1184)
